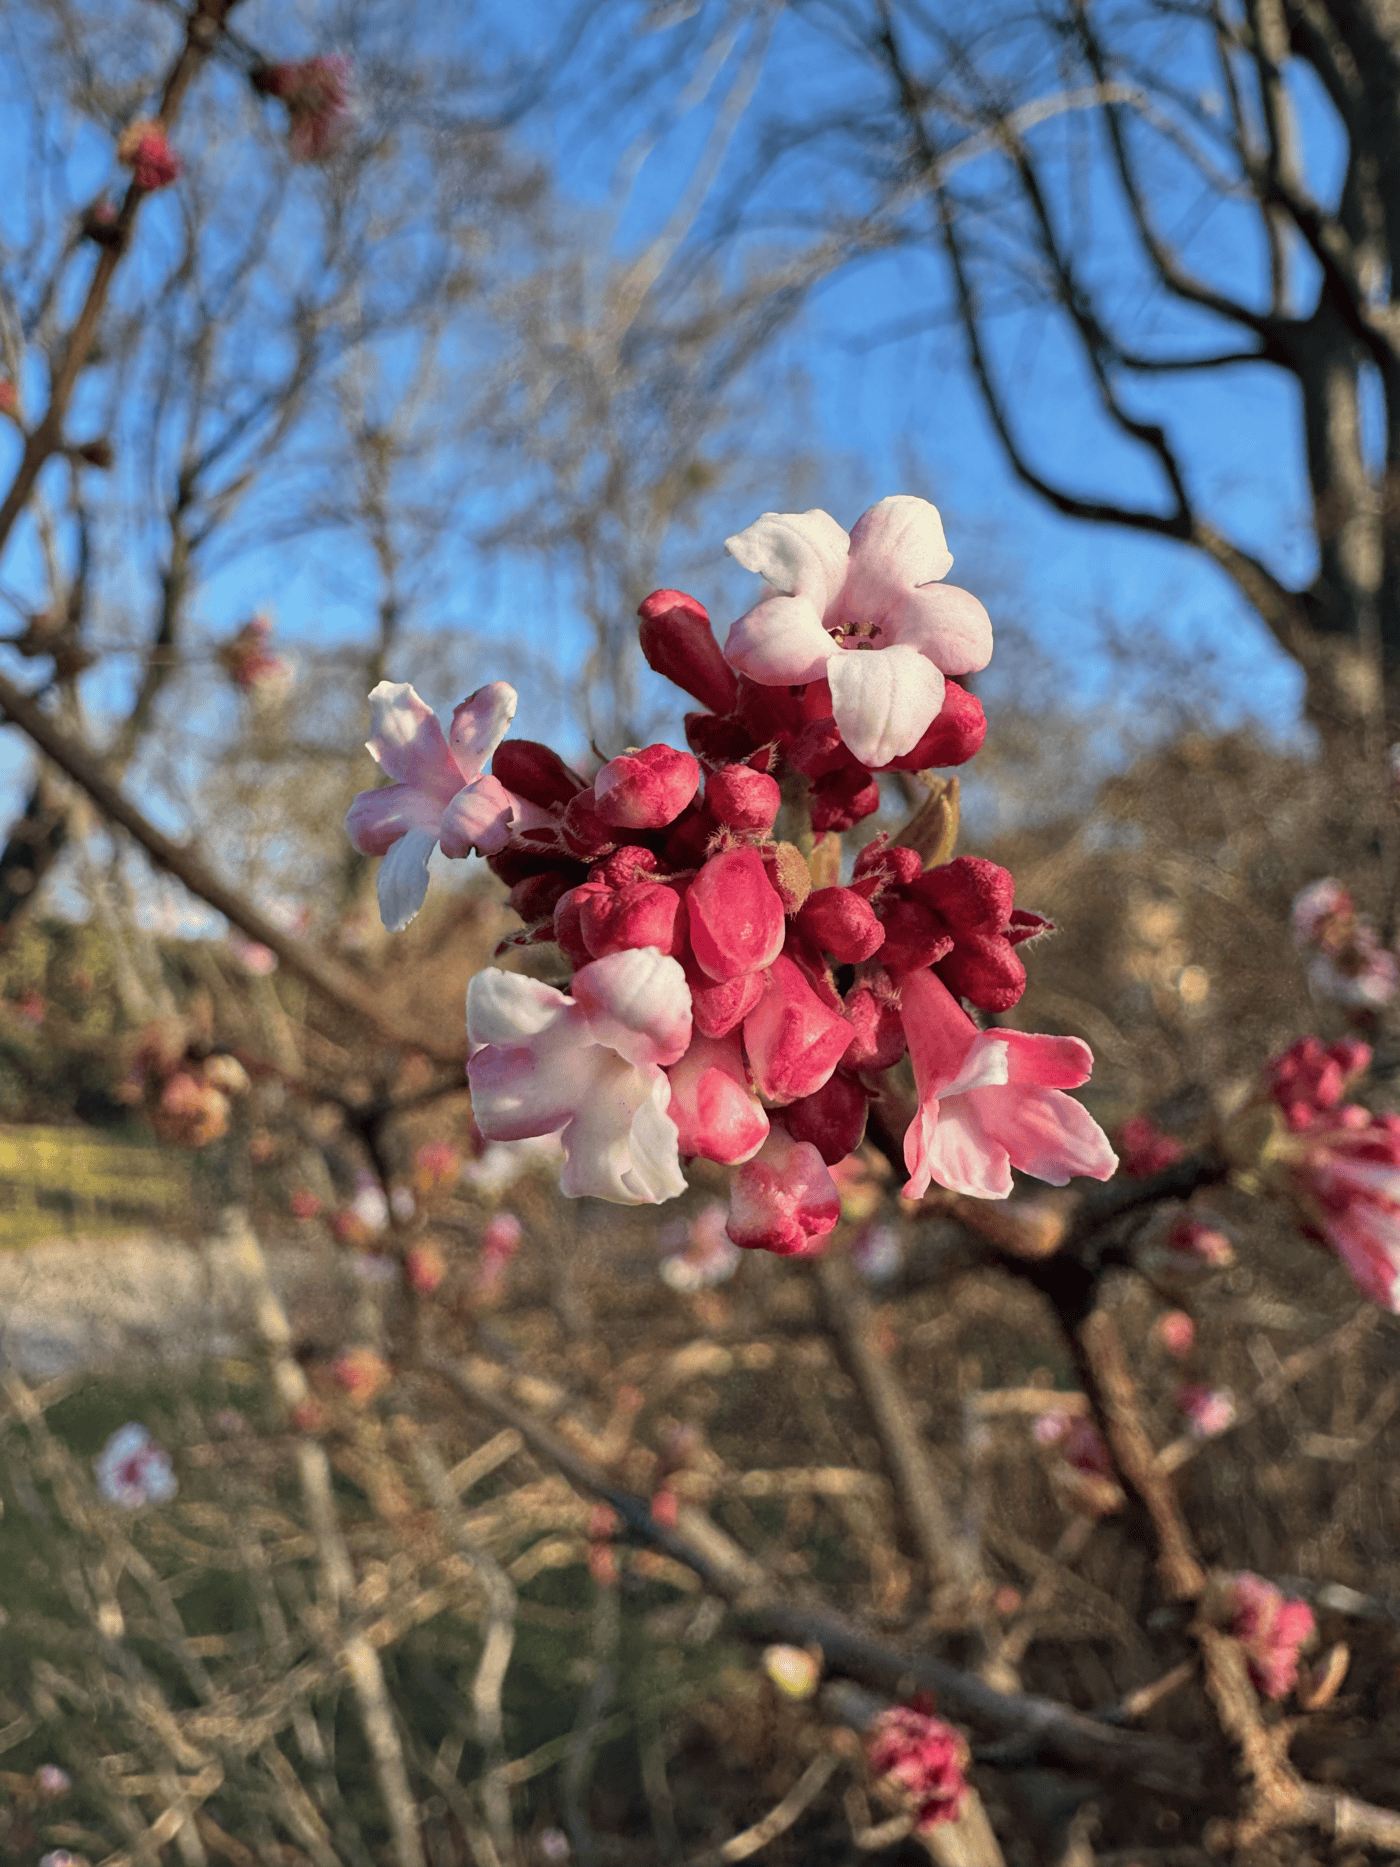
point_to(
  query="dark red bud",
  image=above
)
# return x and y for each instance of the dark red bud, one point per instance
(957, 733)
(833, 1119)
(535, 773)
(679, 643)
(743, 799)
(841, 923)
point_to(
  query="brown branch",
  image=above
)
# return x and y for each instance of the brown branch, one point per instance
(179, 860)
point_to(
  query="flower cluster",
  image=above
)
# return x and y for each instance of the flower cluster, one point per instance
(1338, 1162)
(730, 998)
(253, 665)
(1341, 949)
(319, 96)
(1271, 1629)
(922, 1759)
(132, 1470)
(144, 150)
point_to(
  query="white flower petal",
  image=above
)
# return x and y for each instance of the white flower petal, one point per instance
(377, 819)
(799, 553)
(637, 1003)
(895, 546)
(946, 624)
(621, 1144)
(780, 641)
(403, 878)
(960, 1155)
(407, 741)
(883, 700)
(479, 724)
(508, 1008)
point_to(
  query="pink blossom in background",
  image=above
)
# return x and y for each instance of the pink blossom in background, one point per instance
(993, 1100)
(425, 1267)
(143, 149)
(1209, 1410)
(51, 1782)
(1200, 1239)
(701, 1252)
(924, 1758)
(877, 1251)
(1145, 1149)
(1341, 948)
(436, 1166)
(1079, 1440)
(132, 1470)
(362, 1373)
(590, 1067)
(1176, 1332)
(1309, 1079)
(304, 1204)
(878, 590)
(319, 95)
(441, 795)
(1271, 1629)
(253, 665)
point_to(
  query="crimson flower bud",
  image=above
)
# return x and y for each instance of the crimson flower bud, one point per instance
(736, 918)
(783, 1200)
(832, 1120)
(646, 790)
(743, 799)
(679, 643)
(535, 773)
(641, 914)
(954, 736)
(841, 923)
(794, 1041)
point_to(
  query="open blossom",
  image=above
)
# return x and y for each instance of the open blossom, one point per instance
(1339, 1163)
(442, 795)
(1341, 949)
(867, 613)
(590, 1067)
(133, 1470)
(1271, 1629)
(923, 1758)
(144, 150)
(993, 1100)
(319, 96)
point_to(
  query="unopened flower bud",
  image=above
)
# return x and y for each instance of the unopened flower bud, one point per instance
(144, 150)
(743, 799)
(678, 642)
(646, 790)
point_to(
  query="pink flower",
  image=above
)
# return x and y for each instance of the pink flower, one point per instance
(1271, 1629)
(1146, 1149)
(144, 150)
(441, 796)
(783, 1200)
(707, 1256)
(425, 1267)
(304, 1204)
(362, 1373)
(1345, 1177)
(319, 99)
(1210, 1410)
(1198, 1238)
(437, 1164)
(1308, 1081)
(1176, 1332)
(793, 1038)
(993, 1100)
(716, 1112)
(591, 1065)
(253, 665)
(133, 1470)
(921, 1757)
(1345, 959)
(877, 591)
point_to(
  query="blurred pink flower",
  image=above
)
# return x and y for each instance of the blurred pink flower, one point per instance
(702, 1252)
(923, 1758)
(1271, 1629)
(1210, 1410)
(133, 1470)
(319, 96)
(144, 150)
(1176, 1332)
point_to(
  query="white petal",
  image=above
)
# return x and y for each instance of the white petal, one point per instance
(781, 641)
(377, 819)
(479, 724)
(987, 1065)
(963, 1157)
(883, 700)
(508, 1008)
(407, 741)
(946, 624)
(895, 546)
(621, 1144)
(637, 1003)
(799, 553)
(526, 1089)
(403, 878)
(480, 816)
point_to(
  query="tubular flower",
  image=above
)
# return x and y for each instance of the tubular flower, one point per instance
(990, 1101)
(590, 1067)
(442, 795)
(878, 590)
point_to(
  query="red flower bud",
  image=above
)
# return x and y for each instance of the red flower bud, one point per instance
(841, 923)
(793, 1040)
(879, 1040)
(832, 1120)
(956, 733)
(743, 799)
(679, 643)
(646, 790)
(535, 773)
(736, 918)
(641, 914)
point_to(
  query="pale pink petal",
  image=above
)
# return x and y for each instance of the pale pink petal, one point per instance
(377, 819)
(621, 1143)
(986, 1066)
(1046, 1133)
(402, 881)
(954, 1150)
(524, 1089)
(715, 1110)
(781, 640)
(637, 1003)
(946, 624)
(479, 724)
(508, 1008)
(481, 816)
(1047, 1062)
(407, 741)
(883, 700)
(784, 1199)
(799, 553)
(1367, 1241)
(895, 546)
